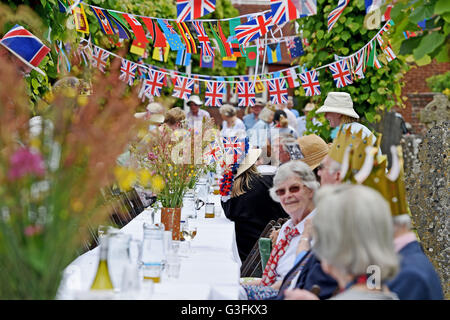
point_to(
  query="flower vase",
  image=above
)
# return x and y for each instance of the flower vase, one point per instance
(171, 217)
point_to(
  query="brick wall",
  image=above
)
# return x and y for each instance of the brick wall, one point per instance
(418, 93)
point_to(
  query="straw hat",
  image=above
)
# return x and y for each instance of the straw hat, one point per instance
(339, 102)
(155, 113)
(314, 149)
(195, 99)
(249, 160)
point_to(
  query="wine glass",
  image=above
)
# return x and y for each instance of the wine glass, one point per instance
(188, 232)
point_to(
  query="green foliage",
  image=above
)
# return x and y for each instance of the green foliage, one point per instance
(379, 90)
(439, 83)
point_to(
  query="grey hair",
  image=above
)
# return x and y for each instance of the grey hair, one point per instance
(294, 168)
(227, 110)
(402, 220)
(353, 230)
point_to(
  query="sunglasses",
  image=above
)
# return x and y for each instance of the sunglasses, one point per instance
(292, 189)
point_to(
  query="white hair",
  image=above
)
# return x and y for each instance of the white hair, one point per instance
(294, 168)
(403, 220)
(353, 230)
(227, 110)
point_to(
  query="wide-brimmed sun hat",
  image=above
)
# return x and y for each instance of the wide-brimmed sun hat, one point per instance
(25, 46)
(195, 99)
(155, 113)
(249, 160)
(339, 102)
(314, 149)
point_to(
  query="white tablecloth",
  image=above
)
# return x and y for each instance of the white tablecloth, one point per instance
(210, 271)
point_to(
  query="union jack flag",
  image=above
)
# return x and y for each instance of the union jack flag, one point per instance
(341, 74)
(183, 88)
(336, 13)
(193, 9)
(214, 94)
(99, 58)
(154, 84)
(213, 153)
(234, 146)
(310, 83)
(361, 65)
(246, 94)
(306, 7)
(254, 29)
(128, 71)
(204, 39)
(283, 11)
(277, 91)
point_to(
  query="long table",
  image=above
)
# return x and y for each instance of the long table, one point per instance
(210, 271)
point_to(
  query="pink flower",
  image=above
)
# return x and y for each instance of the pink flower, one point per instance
(24, 162)
(151, 156)
(33, 230)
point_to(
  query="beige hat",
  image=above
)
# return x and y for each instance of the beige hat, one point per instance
(249, 160)
(314, 149)
(309, 106)
(259, 102)
(195, 99)
(339, 102)
(155, 113)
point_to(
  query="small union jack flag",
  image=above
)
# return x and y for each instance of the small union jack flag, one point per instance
(193, 9)
(234, 146)
(214, 94)
(277, 91)
(254, 29)
(99, 58)
(246, 94)
(310, 83)
(154, 84)
(203, 39)
(213, 153)
(336, 13)
(283, 11)
(341, 74)
(183, 88)
(128, 71)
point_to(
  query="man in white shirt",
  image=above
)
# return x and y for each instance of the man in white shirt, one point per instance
(195, 116)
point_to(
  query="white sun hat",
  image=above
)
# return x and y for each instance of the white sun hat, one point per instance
(339, 102)
(249, 160)
(155, 113)
(195, 99)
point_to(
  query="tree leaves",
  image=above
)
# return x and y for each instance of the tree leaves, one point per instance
(428, 44)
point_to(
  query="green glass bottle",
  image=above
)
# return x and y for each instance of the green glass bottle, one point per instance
(102, 280)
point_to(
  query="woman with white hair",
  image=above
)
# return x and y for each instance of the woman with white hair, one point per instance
(260, 133)
(231, 125)
(353, 237)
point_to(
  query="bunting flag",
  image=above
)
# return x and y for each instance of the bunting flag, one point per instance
(183, 88)
(292, 78)
(296, 47)
(203, 38)
(236, 48)
(105, 23)
(273, 53)
(310, 83)
(246, 94)
(277, 91)
(99, 58)
(128, 71)
(361, 57)
(81, 23)
(213, 153)
(341, 74)
(153, 85)
(197, 87)
(250, 56)
(306, 7)
(161, 53)
(234, 146)
(334, 15)
(214, 94)
(283, 11)
(372, 59)
(206, 61)
(141, 71)
(189, 41)
(183, 58)
(259, 86)
(172, 36)
(224, 46)
(254, 29)
(194, 9)
(229, 62)
(159, 40)
(386, 46)
(138, 44)
(121, 26)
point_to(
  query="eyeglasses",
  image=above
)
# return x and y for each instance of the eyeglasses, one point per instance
(292, 189)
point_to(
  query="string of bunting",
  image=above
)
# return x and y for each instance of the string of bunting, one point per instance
(344, 71)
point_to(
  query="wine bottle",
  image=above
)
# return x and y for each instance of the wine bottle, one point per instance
(102, 280)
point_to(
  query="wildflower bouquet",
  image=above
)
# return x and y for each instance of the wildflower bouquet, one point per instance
(52, 169)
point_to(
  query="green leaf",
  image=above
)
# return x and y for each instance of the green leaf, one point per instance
(441, 7)
(320, 34)
(34, 83)
(428, 44)
(424, 60)
(422, 12)
(443, 55)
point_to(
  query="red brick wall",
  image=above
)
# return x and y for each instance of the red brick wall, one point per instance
(418, 93)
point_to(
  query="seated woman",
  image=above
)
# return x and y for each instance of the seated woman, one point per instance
(231, 124)
(353, 238)
(294, 186)
(250, 206)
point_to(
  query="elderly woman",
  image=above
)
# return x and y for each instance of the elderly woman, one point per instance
(231, 125)
(174, 118)
(353, 237)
